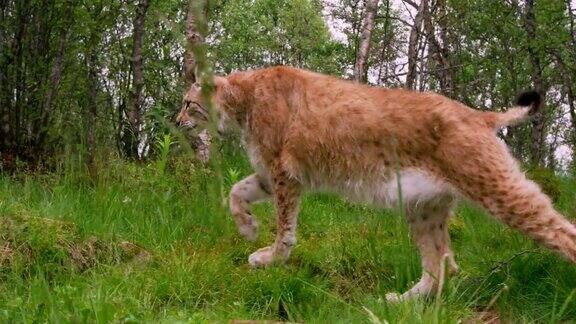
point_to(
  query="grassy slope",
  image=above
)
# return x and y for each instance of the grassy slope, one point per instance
(346, 259)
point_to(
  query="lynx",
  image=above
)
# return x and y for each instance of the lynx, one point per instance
(306, 131)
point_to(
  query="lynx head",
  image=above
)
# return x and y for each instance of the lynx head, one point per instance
(194, 112)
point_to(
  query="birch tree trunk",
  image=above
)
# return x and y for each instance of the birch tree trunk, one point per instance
(134, 113)
(413, 45)
(568, 82)
(193, 39)
(537, 144)
(360, 68)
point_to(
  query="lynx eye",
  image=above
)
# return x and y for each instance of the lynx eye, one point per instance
(199, 110)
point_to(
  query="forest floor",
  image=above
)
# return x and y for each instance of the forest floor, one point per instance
(142, 246)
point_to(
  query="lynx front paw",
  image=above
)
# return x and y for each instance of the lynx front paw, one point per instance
(249, 229)
(262, 257)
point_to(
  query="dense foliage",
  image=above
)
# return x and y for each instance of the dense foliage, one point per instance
(69, 70)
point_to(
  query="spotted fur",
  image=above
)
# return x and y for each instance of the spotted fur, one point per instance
(307, 131)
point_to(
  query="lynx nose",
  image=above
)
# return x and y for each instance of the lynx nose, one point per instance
(180, 121)
(185, 122)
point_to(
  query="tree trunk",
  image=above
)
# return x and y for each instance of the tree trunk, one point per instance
(568, 82)
(388, 39)
(134, 113)
(361, 69)
(91, 54)
(413, 46)
(4, 97)
(552, 164)
(18, 66)
(537, 144)
(447, 47)
(3, 5)
(572, 27)
(47, 108)
(193, 38)
(91, 111)
(443, 68)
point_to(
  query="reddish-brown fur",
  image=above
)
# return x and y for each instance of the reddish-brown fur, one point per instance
(307, 131)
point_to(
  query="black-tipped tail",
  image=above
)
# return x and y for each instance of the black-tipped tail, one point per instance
(531, 99)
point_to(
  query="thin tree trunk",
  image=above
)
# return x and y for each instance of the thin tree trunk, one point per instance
(193, 38)
(571, 98)
(445, 50)
(388, 34)
(91, 112)
(572, 108)
(3, 5)
(361, 69)
(423, 64)
(572, 27)
(91, 53)
(439, 54)
(47, 108)
(134, 113)
(356, 23)
(4, 98)
(537, 144)
(19, 82)
(6, 147)
(515, 134)
(54, 81)
(552, 163)
(413, 46)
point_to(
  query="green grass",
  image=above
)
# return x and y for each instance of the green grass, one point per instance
(62, 258)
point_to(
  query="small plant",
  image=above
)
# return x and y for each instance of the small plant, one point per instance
(163, 145)
(233, 176)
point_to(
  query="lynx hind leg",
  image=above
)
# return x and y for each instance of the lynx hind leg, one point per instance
(429, 231)
(252, 189)
(491, 178)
